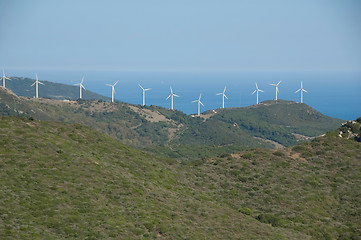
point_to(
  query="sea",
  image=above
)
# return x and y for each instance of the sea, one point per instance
(333, 93)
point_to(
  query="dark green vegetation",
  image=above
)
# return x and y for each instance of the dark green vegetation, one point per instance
(175, 134)
(61, 181)
(21, 87)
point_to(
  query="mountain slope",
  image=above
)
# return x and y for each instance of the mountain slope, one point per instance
(59, 91)
(176, 134)
(68, 181)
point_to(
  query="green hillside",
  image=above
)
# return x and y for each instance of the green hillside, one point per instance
(22, 87)
(63, 181)
(175, 134)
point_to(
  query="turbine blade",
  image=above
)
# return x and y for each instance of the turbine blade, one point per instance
(147, 89)
(140, 86)
(272, 84)
(254, 92)
(200, 95)
(304, 90)
(201, 103)
(298, 90)
(260, 90)
(168, 97)
(175, 95)
(195, 100)
(83, 87)
(219, 93)
(32, 84)
(115, 83)
(224, 89)
(41, 83)
(109, 85)
(225, 96)
(279, 82)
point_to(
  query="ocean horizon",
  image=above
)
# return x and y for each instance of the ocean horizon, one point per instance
(333, 93)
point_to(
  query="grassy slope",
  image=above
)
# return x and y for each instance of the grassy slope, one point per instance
(312, 187)
(68, 181)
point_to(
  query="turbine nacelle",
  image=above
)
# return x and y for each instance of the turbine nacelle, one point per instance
(171, 95)
(301, 90)
(223, 96)
(144, 90)
(4, 78)
(256, 91)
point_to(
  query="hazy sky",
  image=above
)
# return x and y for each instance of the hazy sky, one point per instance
(180, 34)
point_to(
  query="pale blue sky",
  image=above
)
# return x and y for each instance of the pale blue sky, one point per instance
(180, 34)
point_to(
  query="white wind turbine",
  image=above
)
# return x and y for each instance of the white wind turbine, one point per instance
(302, 90)
(113, 90)
(171, 96)
(80, 87)
(199, 104)
(223, 96)
(37, 82)
(257, 90)
(276, 85)
(144, 90)
(4, 78)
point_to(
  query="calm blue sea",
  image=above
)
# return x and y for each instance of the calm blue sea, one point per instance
(333, 93)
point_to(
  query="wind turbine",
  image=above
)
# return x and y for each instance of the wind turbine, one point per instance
(302, 90)
(37, 82)
(257, 90)
(113, 90)
(276, 85)
(80, 87)
(4, 78)
(144, 90)
(223, 96)
(199, 104)
(171, 96)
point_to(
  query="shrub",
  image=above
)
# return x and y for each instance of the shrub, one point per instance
(245, 210)
(279, 154)
(270, 219)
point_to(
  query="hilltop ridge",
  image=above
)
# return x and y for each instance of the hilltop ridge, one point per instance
(22, 87)
(173, 133)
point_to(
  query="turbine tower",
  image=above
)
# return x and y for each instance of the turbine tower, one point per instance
(199, 104)
(276, 85)
(4, 78)
(171, 96)
(257, 90)
(223, 96)
(80, 87)
(302, 90)
(37, 82)
(144, 90)
(113, 90)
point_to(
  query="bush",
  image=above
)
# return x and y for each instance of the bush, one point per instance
(279, 154)
(245, 210)
(270, 219)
